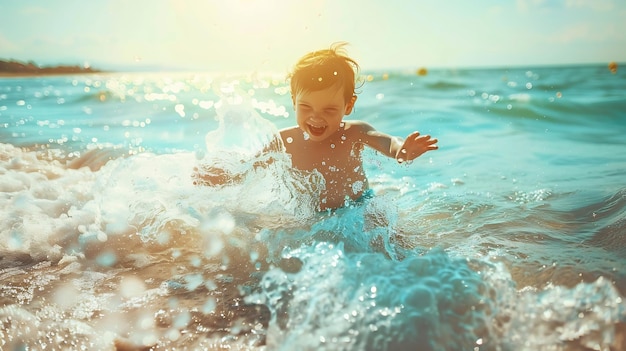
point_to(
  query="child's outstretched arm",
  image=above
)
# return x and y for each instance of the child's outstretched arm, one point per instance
(402, 150)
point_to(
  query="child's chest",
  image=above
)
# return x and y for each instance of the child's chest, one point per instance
(331, 159)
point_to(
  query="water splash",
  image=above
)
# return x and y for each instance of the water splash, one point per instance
(346, 301)
(246, 153)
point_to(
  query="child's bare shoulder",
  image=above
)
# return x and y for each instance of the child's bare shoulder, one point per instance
(291, 136)
(290, 131)
(356, 127)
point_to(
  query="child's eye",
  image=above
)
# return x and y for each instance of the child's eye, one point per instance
(330, 111)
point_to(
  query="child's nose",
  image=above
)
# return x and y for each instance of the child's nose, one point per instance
(316, 115)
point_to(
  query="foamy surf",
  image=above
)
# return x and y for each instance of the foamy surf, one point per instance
(106, 242)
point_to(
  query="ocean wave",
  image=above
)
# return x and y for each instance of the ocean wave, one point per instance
(489, 243)
(609, 223)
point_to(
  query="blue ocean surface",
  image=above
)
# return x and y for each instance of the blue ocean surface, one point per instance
(511, 236)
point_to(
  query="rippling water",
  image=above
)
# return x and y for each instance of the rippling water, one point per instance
(512, 236)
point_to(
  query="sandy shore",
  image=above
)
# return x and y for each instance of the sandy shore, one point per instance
(13, 68)
(43, 74)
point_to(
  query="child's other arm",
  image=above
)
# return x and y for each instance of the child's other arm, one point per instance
(214, 175)
(402, 150)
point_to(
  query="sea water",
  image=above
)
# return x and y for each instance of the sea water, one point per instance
(511, 236)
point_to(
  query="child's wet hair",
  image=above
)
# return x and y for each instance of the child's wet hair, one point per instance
(323, 69)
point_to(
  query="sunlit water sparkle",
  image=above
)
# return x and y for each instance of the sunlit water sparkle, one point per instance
(511, 236)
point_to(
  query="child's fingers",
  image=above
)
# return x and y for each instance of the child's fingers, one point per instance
(425, 139)
(432, 141)
(413, 135)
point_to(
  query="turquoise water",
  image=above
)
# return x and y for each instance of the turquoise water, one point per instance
(511, 236)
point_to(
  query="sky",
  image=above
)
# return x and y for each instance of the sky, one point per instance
(270, 35)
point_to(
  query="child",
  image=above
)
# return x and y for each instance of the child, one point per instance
(322, 91)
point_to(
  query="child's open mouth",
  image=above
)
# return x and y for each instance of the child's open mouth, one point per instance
(316, 131)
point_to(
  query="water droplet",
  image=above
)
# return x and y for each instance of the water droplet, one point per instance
(131, 287)
(403, 151)
(357, 187)
(173, 334)
(400, 160)
(209, 305)
(306, 136)
(106, 259)
(102, 236)
(332, 146)
(289, 140)
(343, 138)
(342, 124)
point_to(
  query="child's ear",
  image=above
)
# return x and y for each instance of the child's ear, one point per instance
(350, 105)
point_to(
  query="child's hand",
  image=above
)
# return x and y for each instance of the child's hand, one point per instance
(414, 146)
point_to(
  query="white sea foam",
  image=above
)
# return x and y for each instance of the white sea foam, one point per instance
(101, 246)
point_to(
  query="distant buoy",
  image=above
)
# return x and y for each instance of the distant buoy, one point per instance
(613, 67)
(422, 72)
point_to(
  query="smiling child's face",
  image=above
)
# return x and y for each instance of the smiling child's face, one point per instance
(320, 113)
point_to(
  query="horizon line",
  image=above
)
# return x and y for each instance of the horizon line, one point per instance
(158, 68)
